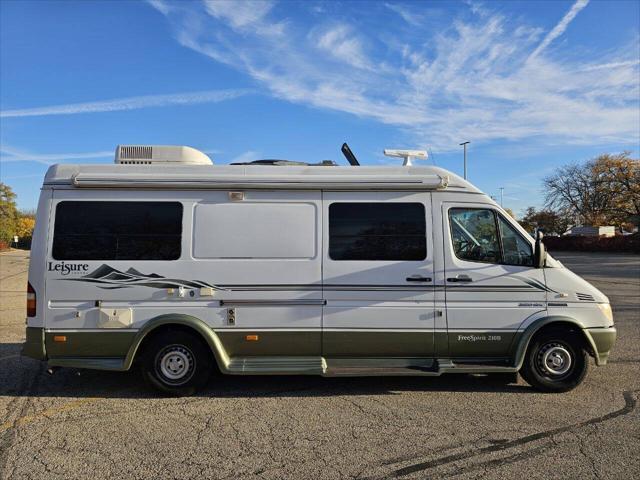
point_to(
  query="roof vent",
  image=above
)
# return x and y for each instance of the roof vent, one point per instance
(160, 155)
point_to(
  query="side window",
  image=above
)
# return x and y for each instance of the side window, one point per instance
(474, 233)
(516, 251)
(377, 231)
(117, 231)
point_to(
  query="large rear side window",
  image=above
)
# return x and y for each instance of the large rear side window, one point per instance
(117, 231)
(377, 231)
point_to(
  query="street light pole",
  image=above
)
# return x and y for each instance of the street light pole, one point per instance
(501, 193)
(464, 145)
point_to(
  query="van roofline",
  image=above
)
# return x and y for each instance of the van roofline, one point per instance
(254, 177)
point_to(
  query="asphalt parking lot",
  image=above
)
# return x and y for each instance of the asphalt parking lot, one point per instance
(79, 424)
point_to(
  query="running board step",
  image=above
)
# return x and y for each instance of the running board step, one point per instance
(382, 372)
(361, 367)
(356, 367)
(449, 366)
(276, 366)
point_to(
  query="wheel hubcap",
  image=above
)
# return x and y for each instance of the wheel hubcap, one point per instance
(176, 364)
(554, 359)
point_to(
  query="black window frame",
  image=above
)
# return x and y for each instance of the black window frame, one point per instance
(496, 223)
(176, 254)
(423, 234)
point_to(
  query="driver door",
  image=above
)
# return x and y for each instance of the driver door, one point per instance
(491, 286)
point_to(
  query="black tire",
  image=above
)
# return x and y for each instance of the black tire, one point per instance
(177, 363)
(556, 361)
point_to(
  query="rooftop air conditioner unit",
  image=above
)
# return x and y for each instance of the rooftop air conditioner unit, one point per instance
(160, 155)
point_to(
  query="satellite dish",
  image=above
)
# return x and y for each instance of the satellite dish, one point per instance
(406, 154)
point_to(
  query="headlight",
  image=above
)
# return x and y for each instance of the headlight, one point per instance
(605, 308)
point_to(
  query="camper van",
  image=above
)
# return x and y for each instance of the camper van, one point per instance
(181, 268)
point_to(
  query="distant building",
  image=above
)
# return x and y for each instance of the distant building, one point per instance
(586, 231)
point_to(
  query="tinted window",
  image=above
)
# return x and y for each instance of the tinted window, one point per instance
(515, 250)
(377, 231)
(117, 231)
(475, 234)
(480, 235)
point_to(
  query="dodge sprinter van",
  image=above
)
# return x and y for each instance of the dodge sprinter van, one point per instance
(166, 262)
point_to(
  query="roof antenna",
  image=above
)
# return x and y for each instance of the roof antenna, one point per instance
(348, 154)
(407, 155)
(431, 156)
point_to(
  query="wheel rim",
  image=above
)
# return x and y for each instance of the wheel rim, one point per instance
(555, 360)
(175, 364)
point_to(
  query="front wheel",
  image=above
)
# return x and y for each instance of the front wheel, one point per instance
(556, 361)
(176, 363)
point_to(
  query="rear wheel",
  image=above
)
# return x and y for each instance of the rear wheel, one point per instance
(556, 361)
(177, 363)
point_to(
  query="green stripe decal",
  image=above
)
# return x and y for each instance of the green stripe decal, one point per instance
(107, 343)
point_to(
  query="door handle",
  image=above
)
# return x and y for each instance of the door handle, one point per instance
(418, 278)
(460, 278)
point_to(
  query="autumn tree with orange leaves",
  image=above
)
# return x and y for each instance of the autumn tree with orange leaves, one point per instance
(602, 191)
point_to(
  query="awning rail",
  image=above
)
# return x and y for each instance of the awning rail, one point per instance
(289, 182)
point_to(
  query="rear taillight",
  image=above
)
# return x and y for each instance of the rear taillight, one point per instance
(31, 301)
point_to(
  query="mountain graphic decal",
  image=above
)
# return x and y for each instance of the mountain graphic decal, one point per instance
(108, 277)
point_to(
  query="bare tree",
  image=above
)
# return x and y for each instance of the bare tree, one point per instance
(573, 189)
(605, 190)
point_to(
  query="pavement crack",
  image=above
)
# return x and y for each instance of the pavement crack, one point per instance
(499, 462)
(359, 407)
(582, 448)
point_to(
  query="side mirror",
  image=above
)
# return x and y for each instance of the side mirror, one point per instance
(540, 254)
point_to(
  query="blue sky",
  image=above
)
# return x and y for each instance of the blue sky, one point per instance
(532, 85)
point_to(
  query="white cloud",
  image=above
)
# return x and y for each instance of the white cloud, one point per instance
(410, 17)
(160, 5)
(239, 14)
(12, 154)
(560, 27)
(475, 78)
(340, 43)
(128, 103)
(243, 16)
(611, 65)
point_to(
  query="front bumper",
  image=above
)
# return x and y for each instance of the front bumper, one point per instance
(34, 344)
(602, 340)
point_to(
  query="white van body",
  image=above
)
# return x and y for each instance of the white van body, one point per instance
(288, 270)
